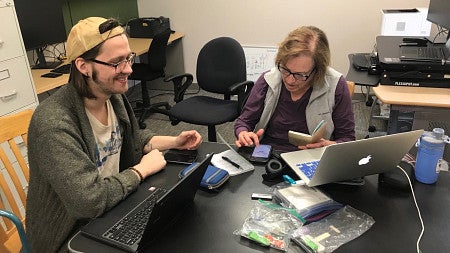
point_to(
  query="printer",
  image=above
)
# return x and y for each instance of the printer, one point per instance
(413, 62)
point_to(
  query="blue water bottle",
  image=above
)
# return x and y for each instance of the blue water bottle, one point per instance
(431, 149)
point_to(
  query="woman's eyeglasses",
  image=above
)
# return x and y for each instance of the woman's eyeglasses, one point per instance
(119, 66)
(297, 76)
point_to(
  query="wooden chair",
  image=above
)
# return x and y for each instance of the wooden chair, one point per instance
(13, 180)
(351, 87)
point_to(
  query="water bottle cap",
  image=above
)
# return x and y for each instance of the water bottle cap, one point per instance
(438, 133)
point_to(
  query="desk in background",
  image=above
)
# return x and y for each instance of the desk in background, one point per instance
(208, 224)
(175, 62)
(431, 107)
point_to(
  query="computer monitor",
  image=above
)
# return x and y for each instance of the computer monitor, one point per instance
(41, 24)
(439, 13)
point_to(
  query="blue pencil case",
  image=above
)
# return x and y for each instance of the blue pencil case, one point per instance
(213, 178)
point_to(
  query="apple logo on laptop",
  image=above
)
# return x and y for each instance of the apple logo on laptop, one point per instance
(364, 160)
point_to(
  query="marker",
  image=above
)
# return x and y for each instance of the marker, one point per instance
(289, 180)
(310, 243)
(300, 182)
(231, 162)
(258, 238)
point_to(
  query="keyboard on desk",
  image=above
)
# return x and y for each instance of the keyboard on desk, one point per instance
(308, 168)
(430, 52)
(364, 61)
(128, 231)
(63, 69)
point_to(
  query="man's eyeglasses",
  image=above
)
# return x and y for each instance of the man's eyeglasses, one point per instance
(297, 76)
(119, 66)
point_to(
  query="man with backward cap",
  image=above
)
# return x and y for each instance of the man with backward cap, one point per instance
(85, 149)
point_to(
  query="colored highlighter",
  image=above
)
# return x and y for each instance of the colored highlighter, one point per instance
(289, 180)
(258, 238)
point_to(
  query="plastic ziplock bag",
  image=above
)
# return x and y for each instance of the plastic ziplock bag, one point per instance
(310, 202)
(270, 224)
(334, 230)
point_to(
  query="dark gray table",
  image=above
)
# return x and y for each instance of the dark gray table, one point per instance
(208, 225)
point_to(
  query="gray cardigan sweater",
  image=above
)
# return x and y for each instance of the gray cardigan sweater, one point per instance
(65, 189)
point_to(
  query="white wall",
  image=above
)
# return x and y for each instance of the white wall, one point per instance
(351, 25)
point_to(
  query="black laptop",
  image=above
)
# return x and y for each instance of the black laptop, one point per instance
(135, 230)
(394, 57)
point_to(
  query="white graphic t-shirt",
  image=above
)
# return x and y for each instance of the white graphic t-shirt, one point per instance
(109, 142)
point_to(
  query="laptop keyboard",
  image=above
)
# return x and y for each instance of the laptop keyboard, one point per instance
(129, 229)
(430, 52)
(308, 168)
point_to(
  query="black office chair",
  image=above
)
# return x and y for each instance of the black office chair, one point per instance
(221, 69)
(153, 69)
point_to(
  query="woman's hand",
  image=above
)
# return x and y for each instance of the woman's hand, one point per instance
(246, 138)
(321, 143)
(188, 140)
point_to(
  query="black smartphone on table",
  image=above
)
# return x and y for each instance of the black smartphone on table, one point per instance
(51, 75)
(181, 156)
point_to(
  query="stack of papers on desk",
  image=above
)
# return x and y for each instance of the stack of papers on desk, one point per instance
(238, 164)
(307, 201)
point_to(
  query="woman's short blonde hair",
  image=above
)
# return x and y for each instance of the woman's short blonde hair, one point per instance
(307, 41)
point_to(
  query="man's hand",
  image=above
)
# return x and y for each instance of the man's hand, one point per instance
(188, 140)
(151, 163)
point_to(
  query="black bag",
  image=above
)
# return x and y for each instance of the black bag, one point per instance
(147, 27)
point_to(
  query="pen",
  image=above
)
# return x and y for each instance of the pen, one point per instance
(231, 162)
(318, 126)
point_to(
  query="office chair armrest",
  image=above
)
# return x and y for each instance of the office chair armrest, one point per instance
(180, 84)
(242, 90)
(243, 86)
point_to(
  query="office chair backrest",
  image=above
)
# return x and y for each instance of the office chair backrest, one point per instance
(157, 50)
(13, 140)
(221, 63)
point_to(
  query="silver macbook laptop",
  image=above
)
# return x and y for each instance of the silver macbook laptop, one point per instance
(348, 160)
(133, 230)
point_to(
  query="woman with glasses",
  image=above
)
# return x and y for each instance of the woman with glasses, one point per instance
(297, 94)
